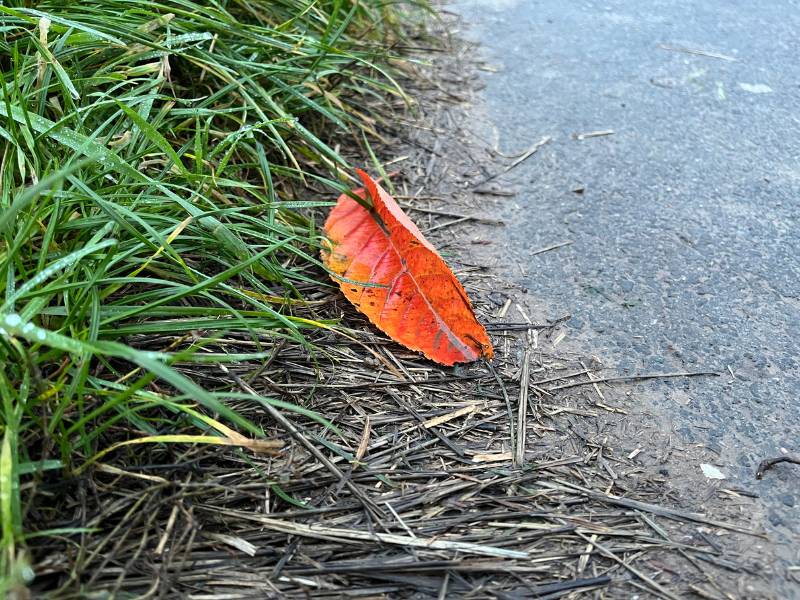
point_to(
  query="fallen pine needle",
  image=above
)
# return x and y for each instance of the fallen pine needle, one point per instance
(592, 134)
(336, 533)
(634, 378)
(467, 410)
(494, 457)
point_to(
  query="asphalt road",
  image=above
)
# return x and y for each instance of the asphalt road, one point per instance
(686, 252)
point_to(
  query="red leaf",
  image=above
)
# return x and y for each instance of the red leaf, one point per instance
(413, 296)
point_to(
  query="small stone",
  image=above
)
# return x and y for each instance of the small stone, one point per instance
(711, 472)
(756, 88)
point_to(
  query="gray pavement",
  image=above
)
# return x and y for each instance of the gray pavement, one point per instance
(686, 252)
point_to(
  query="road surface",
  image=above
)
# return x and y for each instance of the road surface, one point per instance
(684, 220)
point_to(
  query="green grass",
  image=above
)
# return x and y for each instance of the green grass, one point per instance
(156, 158)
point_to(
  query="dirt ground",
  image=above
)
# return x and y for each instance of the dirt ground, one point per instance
(535, 476)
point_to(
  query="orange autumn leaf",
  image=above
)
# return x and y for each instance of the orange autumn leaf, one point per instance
(412, 295)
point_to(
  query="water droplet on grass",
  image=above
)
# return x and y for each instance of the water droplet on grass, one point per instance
(13, 320)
